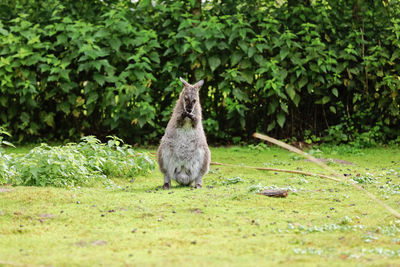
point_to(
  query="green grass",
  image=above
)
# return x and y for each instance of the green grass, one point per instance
(320, 222)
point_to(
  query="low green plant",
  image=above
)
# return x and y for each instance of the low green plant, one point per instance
(3, 133)
(115, 158)
(233, 180)
(6, 171)
(59, 166)
(77, 164)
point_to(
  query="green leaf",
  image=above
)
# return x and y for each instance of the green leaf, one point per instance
(326, 99)
(154, 57)
(335, 92)
(260, 59)
(115, 43)
(210, 44)
(239, 94)
(323, 100)
(296, 100)
(65, 107)
(100, 79)
(251, 52)
(243, 45)
(199, 74)
(290, 91)
(284, 52)
(235, 58)
(281, 118)
(271, 126)
(24, 117)
(23, 52)
(284, 107)
(303, 81)
(214, 62)
(248, 76)
(49, 119)
(93, 96)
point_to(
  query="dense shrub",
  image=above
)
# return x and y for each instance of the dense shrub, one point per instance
(69, 68)
(74, 164)
(7, 171)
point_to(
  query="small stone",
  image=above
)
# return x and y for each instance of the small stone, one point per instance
(134, 230)
(194, 242)
(78, 202)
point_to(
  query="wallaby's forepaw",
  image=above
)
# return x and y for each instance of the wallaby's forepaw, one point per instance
(166, 186)
(198, 186)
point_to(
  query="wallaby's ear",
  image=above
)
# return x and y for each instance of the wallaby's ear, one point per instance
(199, 84)
(185, 83)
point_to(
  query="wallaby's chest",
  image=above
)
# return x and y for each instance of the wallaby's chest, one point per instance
(185, 144)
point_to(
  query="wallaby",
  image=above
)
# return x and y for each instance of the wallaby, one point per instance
(183, 154)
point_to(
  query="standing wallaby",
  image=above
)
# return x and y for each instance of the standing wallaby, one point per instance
(183, 154)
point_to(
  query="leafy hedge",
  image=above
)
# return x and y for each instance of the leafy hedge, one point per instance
(298, 69)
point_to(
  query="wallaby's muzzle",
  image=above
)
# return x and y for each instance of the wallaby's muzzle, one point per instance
(187, 114)
(188, 108)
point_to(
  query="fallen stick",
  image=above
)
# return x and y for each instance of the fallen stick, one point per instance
(274, 193)
(326, 167)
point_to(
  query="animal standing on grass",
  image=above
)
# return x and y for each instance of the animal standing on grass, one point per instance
(183, 154)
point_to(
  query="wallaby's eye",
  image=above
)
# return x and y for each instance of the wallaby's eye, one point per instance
(194, 101)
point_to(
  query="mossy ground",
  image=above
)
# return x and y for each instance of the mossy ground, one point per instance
(321, 222)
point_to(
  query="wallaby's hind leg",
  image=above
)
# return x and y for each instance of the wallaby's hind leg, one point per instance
(198, 182)
(167, 182)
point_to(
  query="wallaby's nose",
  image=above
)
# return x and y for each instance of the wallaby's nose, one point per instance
(189, 108)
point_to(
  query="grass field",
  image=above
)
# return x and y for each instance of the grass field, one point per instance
(134, 223)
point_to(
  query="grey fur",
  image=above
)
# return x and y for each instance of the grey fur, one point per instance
(183, 154)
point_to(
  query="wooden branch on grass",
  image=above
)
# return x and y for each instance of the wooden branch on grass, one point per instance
(274, 193)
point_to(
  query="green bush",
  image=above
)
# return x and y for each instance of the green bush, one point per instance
(55, 166)
(7, 172)
(69, 68)
(75, 164)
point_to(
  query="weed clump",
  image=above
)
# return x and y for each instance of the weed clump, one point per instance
(75, 164)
